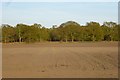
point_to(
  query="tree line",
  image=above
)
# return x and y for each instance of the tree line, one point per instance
(69, 31)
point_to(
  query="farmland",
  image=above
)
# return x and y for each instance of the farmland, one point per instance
(60, 60)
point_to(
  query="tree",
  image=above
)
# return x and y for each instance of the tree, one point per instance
(69, 30)
(8, 33)
(54, 34)
(0, 34)
(110, 30)
(114, 33)
(95, 31)
(21, 30)
(109, 24)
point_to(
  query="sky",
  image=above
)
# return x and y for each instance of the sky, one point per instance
(60, 0)
(55, 13)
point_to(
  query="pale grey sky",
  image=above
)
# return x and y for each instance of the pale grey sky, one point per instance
(55, 13)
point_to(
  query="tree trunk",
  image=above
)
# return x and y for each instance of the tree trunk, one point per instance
(66, 39)
(61, 40)
(72, 37)
(93, 38)
(5, 39)
(19, 36)
(39, 39)
(20, 39)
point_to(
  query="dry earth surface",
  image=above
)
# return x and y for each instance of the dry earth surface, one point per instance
(0, 61)
(60, 60)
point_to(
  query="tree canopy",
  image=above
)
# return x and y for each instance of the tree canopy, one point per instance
(69, 31)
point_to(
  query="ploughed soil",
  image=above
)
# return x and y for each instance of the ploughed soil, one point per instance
(60, 60)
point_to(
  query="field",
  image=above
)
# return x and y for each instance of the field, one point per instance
(61, 60)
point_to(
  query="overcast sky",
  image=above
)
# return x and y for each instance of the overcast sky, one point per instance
(55, 13)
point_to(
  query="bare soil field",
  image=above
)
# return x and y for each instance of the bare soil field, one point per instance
(60, 60)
